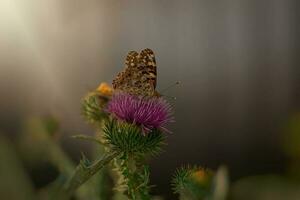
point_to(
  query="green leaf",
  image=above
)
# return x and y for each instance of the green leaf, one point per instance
(88, 138)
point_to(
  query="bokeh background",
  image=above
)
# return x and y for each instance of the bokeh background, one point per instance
(237, 62)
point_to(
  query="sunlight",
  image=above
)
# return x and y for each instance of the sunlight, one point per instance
(15, 18)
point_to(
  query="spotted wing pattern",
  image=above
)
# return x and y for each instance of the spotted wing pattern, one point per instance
(139, 75)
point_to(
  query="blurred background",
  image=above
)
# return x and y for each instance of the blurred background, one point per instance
(237, 61)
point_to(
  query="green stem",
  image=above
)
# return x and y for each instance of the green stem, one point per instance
(136, 178)
(83, 172)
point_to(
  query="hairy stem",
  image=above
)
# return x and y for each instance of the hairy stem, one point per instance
(83, 172)
(136, 178)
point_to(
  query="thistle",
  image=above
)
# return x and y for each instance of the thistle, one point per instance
(93, 104)
(131, 118)
(135, 129)
(197, 183)
(146, 112)
(192, 183)
(128, 139)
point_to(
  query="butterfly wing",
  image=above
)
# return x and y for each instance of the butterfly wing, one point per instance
(147, 58)
(122, 80)
(139, 75)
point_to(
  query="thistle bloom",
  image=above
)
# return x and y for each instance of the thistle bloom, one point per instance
(149, 113)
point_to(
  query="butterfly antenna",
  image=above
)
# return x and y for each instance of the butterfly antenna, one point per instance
(170, 97)
(167, 88)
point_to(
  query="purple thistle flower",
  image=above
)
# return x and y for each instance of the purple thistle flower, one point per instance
(149, 113)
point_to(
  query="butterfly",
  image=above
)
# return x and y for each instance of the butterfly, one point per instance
(139, 75)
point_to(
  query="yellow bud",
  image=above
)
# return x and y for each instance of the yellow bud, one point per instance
(105, 89)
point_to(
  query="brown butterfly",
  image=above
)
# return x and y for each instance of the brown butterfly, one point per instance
(139, 75)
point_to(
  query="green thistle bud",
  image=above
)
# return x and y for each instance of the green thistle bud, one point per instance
(192, 182)
(129, 138)
(92, 107)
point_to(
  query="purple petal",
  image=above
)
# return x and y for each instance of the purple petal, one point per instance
(147, 112)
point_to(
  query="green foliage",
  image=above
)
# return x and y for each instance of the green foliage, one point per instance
(128, 138)
(265, 187)
(83, 172)
(51, 125)
(42, 134)
(291, 146)
(88, 138)
(92, 107)
(125, 139)
(196, 183)
(291, 138)
(14, 182)
(135, 146)
(134, 178)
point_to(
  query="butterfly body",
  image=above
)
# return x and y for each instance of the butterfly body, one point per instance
(139, 76)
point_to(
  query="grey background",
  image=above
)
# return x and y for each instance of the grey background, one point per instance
(237, 61)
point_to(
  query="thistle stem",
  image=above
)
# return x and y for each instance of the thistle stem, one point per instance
(83, 172)
(136, 178)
